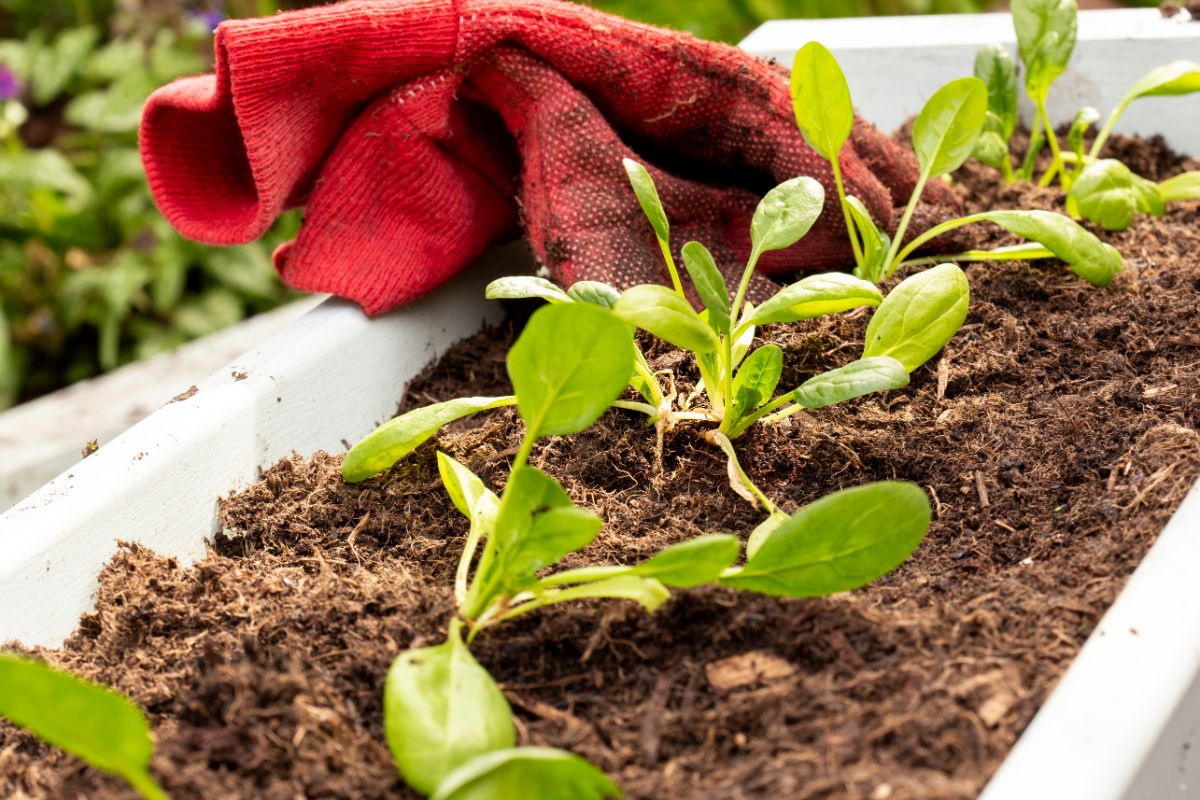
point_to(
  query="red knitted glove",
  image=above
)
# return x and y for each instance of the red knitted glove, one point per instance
(418, 133)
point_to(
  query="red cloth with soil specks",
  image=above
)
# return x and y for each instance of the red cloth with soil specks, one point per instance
(417, 133)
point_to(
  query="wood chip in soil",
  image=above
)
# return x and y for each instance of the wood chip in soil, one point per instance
(1055, 437)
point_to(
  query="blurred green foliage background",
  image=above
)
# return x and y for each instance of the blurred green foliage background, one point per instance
(91, 276)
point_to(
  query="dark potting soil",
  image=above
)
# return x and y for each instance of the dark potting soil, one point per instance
(1055, 437)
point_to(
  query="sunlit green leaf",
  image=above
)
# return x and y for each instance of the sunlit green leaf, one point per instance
(1091, 259)
(755, 382)
(519, 287)
(709, 283)
(821, 100)
(594, 293)
(994, 66)
(864, 376)
(946, 129)
(527, 772)
(693, 562)
(1046, 31)
(919, 316)
(817, 296)
(1084, 119)
(875, 243)
(786, 213)
(668, 316)
(839, 542)
(647, 197)
(468, 493)
(1109, 194)
(1185, 186)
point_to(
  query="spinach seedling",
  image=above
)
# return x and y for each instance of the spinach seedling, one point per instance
(448, 724)
(964, 117)
(95, 723)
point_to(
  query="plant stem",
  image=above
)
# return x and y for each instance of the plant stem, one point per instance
(746, 422)
(1035, 146)
(892, 259)
(1053, 140)
(474, 534)
(726, 446)
(727, 341)
(632, 405)
(932, 233)
(795, 408)
(1106, 131)
(665, 246)
(145, 785)
(851, 230)
(1013, 253)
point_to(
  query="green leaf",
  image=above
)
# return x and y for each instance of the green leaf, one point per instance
(440, 710)
(709, 283)
(919, 316)
(93, 722)
(468, 493)
(785, 214)
(755, 382)
(693, 562)
(1176, 78)
(1084, 119)
(1089, 258)
(553, 534)
(531, 772)
(763, 531)
(594, 293)
(567, 367)
(840, 542)
(1185, 186)
(821, 100)
(867, 375)
(991, 147)
(946, 129)
(875, 243)
(647, 197)
(994, 66)
(1107, 193)
(398, 437)
(668, 316)
(529, 492)
(817, 296)
(650, 593)
(1046, 31)
(520, 287)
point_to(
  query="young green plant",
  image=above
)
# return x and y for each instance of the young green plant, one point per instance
(949, 129)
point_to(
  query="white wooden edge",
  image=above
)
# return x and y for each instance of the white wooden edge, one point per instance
(327, 379)
(1115, 49)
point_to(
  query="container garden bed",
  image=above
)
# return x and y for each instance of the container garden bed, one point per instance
(1056, 436)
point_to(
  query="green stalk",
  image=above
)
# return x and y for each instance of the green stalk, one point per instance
(932, 233)
(795, 408)
(851, 230)
(665, 246)
(1035, 146)
(727, 341)
(1012, 253)
(1106, 131)
(759, 414)
(1056, 165)
(726, 445)
(632, 405)
(891, 262)
(146, 786)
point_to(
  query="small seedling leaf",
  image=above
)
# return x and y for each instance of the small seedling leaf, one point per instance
(817, 296)
(553, 534)
(785, 214)
(1185, 186)
(1105, 194)
(1085, 118)
(709, 283)
(821, 100)
(840, 542)
(521, 287)
(991, 147)
(567, 367)
(946, 129)
(668, 316)
(95, 723)
(649, 593)
(530, 493)
(994, 66)
(468, 493)
(647, 197)
(1089, 258)
(693, 562)
(875, 243)
(594, 293)
(919, 316)
(535, 772)
(398, 437)
(1178, 77)
(755, 382)
(864, 376)
(441, 709)
(1046, 31)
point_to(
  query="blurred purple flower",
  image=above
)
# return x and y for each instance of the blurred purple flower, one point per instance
(10, 85)
(211, 18)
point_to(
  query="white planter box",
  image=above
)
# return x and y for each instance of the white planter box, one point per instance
(1124, 723)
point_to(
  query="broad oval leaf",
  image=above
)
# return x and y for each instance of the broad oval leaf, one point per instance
(468, 493)
(1089, 258)
(840, 542)
(532, 772)
(709, 283)
(864, 376)
(441, 709)
(1104, 193)
(398, 437)
(919, 316)
(991, 147)
(1178, 77)
(785, 214)
(520, 287)
(668, 316)
(567, 367)
(1046, 31)
(693, 562)
(594, 293)
(755, 382)
(875, 243)
(946, 129)
(821, 100)
(90, 721)
(994, 66)
(553, 534)
(1185, 186)
(647, 197)
(817, 296)
(530, 492)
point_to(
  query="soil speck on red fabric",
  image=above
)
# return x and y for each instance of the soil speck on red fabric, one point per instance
(1055, 437)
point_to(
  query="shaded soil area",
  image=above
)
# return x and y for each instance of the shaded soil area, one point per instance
(1055, 436)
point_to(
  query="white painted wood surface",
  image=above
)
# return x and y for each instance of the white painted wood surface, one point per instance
(327, 379)
(43, 437)
(893, 64)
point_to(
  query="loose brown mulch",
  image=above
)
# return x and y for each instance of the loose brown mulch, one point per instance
(1055, 437)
